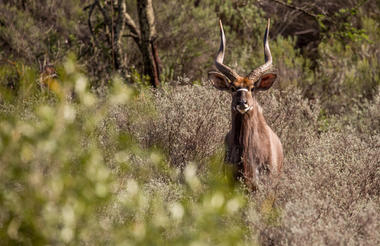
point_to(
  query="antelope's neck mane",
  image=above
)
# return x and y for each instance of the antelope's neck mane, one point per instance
(247, 126)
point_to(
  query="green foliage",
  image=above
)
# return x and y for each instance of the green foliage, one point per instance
(343, 27)
(293, 69)
(189, 45)
(138, 79)
(69, 176)
(181, 50)
(348, 72)
(39, 30)
(17, 81)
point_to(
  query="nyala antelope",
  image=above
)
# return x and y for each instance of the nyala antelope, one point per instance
(251, 146)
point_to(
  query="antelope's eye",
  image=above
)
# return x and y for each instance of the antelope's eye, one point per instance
(254, 85)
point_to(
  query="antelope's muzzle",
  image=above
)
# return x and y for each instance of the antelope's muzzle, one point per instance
(243, 108)
(242, 104)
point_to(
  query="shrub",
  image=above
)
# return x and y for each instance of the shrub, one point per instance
(69, 175)
(347, 72)
(327, 195)
(328, 192)
(189, 122)
(37, 31)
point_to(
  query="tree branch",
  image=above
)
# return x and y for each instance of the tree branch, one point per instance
(120, 24)
(106, 18)
(131, 25)
(304, 11)
(91, 7)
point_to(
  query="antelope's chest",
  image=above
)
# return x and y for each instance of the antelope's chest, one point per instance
(246, 152)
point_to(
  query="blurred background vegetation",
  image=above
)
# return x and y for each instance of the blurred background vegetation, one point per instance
(111, 134)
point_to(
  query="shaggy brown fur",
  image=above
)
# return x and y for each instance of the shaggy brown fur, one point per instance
(252, 147)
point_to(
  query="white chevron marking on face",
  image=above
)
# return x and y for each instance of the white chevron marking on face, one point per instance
(244, 110)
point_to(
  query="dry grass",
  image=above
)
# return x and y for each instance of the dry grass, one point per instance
(329, 191)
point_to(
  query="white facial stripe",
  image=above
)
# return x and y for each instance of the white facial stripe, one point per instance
(243, 89)
(245, 110)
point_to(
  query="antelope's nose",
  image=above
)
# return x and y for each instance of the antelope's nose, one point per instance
(242, 102)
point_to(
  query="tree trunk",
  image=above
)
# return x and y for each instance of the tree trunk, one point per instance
(119, 30)
(148, 34)
(117, 19)
(157, 60)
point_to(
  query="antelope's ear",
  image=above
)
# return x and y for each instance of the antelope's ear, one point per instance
(219, 81)
(265, 82)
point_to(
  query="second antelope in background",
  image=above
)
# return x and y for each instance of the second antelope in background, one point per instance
(252, 147)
